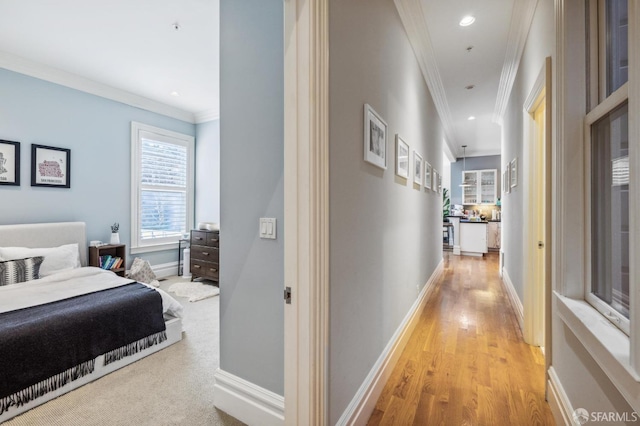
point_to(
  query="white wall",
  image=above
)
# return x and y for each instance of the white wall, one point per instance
(252, 186)
(385, 235)
(207, 195)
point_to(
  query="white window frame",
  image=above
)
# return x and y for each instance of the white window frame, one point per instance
(616, 353)
(605, 107)
(138, 131)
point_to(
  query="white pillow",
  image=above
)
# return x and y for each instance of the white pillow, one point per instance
(55, 258)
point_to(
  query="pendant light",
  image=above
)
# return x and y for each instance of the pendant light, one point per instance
(464, 167)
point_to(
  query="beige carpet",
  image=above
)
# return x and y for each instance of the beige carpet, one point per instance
(171, 387)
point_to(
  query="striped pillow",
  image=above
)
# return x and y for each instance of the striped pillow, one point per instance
(20, 270)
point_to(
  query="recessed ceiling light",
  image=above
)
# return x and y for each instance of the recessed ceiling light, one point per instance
(467, 20)
(471, 118)
(174, 93)
(469, 87)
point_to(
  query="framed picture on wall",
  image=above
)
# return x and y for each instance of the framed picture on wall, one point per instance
(434, 180)
(514, 172)
(428, 171)
(402, 158)
(50, 166)
(375, 138)
(507, 178)
(9, 163)
(417, 168)
(439, 181)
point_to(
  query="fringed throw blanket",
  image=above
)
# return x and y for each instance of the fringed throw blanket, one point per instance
(44, 347)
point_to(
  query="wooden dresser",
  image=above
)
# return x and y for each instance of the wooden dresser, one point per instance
(205, 255)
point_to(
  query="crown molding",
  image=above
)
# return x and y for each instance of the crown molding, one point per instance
(415, 24)
(521, 19)
(205, 116)
(54, 75)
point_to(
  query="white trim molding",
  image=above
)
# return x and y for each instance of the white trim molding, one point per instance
(306, 201)
(413, 18)
(164, 270)
(206, 116)
(558, 400)
(363, 403)
(513, 297)
(54, 75)
(246, 401)
(521, 19)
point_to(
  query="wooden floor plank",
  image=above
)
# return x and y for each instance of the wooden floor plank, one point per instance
(466, 362)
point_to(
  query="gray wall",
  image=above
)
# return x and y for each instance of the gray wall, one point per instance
(251, 181)
(473, 163)
(98, 132)
(207, 195)
(386, 237)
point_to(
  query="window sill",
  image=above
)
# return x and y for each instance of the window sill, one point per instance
(606, 343)
(153, 248)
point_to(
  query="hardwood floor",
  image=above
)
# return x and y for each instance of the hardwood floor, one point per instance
(466, 362)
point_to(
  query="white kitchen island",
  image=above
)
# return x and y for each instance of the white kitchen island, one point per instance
(469, 237)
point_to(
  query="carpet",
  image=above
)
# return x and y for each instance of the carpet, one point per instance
(194, 291)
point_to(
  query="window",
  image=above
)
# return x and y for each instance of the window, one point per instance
(607, 166)
(162, 187)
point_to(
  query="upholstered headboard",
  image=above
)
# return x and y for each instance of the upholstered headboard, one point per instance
(36, 235)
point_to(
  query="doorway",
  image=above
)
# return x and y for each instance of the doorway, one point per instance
(537, 241)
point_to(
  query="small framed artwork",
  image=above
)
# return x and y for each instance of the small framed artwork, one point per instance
(439, 183)
(402, 158)
(375, 138)
(514, 172)
(50, 166)
(428, 171)
(417, 168)
(434, 181)
(9, 163)
(507, 178)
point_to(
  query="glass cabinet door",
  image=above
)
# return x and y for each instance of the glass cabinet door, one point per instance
(470, 191)
(488, 191)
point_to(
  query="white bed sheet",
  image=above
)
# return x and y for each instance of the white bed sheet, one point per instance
(71, 283)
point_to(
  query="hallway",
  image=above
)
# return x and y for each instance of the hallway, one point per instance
(466, 362)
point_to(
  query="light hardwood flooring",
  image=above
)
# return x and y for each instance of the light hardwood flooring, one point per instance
(466, 362)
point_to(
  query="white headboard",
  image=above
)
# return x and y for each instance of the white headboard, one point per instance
(34, 235)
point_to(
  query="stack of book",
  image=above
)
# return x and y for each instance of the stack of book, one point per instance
(110, 262)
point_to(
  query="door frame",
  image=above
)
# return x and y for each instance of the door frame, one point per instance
(537, 300)
(306, 218)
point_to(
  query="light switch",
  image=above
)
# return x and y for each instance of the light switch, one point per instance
(268, 228)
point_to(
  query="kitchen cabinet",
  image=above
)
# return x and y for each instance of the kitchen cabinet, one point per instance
(481, 187)
(493, 235)
(473, 238)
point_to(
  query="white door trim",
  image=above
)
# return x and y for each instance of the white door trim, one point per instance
(306, 201)
(537, 303)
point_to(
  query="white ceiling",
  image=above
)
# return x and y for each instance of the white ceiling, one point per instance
(481, 67)
(130, 45)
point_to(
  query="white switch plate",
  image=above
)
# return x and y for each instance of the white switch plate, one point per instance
(268, 228)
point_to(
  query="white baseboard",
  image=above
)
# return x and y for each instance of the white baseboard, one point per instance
(164, 270)
(513, 296)
(364, 401)
(559, 401)
(246, 401)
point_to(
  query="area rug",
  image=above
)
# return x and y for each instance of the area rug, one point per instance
(194, 290)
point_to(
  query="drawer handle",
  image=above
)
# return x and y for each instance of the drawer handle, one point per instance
(198, 238)
(213, 270)
(215, 241)
(206, 253)
(196, 266)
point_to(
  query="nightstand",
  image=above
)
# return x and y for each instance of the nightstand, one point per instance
(113, 250)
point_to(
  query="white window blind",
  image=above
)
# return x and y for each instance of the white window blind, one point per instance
(163, 181)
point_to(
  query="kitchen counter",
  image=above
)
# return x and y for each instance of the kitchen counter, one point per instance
(469, 236)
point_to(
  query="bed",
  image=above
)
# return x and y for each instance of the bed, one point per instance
(86, 322)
